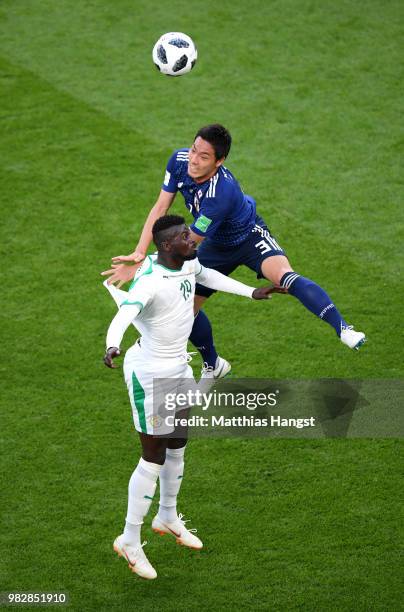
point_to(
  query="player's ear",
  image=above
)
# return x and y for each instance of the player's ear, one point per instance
(219, 162)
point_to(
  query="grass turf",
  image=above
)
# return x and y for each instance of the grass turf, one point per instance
(311, 93)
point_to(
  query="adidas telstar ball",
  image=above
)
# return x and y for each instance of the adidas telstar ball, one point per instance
(174, 54)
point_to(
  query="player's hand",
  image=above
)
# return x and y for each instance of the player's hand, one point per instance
(135, 257)
(264, 293)
(278, 289)
(120, 273)
(112, 352)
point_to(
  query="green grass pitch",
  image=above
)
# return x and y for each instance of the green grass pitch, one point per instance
(312, 93)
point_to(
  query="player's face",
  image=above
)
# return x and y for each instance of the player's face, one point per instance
(182, 244)
(202, 163)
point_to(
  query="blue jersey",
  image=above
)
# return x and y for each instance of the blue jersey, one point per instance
(221, 211)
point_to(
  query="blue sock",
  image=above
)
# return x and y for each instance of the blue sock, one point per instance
(202, 338)
(314, 298)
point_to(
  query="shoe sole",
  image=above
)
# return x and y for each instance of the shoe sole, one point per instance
(131, 567)
(163, 533)
(360, 343)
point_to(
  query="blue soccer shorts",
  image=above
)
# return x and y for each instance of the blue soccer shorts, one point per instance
(258, 246)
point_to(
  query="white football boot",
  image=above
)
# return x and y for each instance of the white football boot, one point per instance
(221, 369)
(177, 529)
(352, 338)
(138, 563)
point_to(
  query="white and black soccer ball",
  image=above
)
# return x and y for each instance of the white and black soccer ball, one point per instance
(174, 54)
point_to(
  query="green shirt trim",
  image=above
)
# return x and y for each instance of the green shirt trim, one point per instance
(148, 271)
(127, 303)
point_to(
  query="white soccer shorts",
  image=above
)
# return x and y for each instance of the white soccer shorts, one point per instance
(147, 398)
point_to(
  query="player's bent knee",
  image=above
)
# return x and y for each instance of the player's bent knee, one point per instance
(273, 268)
(175, 443)
(158, 458)
(153, 449)
(275, 276)
(281, 273)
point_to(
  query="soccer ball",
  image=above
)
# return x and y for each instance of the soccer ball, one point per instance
(174, 54)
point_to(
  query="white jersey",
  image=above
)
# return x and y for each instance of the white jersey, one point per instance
(166, 299)
(160, 304)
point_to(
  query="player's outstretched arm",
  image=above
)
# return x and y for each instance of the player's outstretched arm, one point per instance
(159, 209)
(120, 272)
(215, 280)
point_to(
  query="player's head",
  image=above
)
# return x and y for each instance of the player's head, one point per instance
(218, 137)
(172, 237)
(210, 148)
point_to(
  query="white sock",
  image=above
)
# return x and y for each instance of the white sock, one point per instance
(170, 483)
(142, 485)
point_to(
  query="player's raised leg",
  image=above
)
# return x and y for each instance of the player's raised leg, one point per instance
(277, 269)
(167, 520)
(202, 339)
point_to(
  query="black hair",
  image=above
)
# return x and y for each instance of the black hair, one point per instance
(162, 224)
(216, 135)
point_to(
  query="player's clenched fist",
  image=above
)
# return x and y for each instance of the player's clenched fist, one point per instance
(112, 352)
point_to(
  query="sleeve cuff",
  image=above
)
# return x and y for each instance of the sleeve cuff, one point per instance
(128, 303)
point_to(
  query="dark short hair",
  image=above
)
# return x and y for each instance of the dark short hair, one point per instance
(162, 225)
(218, 137)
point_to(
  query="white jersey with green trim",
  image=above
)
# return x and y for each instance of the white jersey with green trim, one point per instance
(160, 303)
(165, 298)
